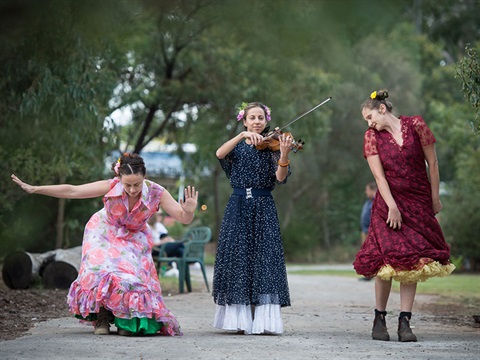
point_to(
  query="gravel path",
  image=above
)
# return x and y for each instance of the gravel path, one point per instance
(330, 318)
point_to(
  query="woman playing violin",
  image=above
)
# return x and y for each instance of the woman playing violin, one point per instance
(250, 283)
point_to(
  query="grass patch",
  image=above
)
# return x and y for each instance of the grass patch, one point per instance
(170, 285)
(465, 286)
(455, 285)
(347, 273)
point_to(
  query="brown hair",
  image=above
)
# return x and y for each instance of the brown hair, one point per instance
(254, 105)
(379, 99)
(129, 164)
(372, 185)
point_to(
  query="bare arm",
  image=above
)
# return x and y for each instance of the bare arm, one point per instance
(182, 211)
(394, 218)
(434, 175)
(226, 148)
(66, 191)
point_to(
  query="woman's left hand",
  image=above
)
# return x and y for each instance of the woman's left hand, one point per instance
(191, 199)
(285, 144)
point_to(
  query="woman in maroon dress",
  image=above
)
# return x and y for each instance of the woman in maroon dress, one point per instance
(405, 241)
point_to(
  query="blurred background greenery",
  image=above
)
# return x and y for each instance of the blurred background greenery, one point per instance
(179, 69)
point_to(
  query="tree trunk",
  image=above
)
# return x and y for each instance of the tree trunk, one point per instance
(60, 218)
(326, 227)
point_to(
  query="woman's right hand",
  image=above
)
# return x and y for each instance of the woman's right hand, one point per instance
(394, 219)
(254, 138)
(25, 187)
(437, 206)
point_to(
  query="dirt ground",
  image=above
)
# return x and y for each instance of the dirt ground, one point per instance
(20, 310)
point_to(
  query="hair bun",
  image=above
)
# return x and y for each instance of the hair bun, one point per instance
(379, 95)
(382, 95)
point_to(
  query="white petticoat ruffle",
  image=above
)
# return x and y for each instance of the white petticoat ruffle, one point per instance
(266, 320)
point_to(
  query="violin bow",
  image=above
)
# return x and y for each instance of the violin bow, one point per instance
(306, 113)
(301, 116)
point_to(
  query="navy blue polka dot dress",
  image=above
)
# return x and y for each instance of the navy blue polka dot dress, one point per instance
(249, 265)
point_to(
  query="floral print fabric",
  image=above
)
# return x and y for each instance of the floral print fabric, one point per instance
(420, 240)
(117, 270)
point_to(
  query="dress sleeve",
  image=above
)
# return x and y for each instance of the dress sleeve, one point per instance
(275, 158)
(226, 163)
(369, 143)
(424, 133)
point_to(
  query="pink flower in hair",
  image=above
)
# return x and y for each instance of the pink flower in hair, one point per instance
(241, 111)
(240, 115)
(117, 167)
(267, 113)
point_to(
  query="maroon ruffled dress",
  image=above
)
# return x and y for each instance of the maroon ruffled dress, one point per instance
(418, 250)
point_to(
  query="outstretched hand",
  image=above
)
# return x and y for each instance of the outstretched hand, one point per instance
(191, 199)
(25, 187)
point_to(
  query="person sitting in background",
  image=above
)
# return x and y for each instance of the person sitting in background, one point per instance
(160, 234)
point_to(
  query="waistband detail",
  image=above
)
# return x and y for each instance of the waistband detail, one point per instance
(249, 192)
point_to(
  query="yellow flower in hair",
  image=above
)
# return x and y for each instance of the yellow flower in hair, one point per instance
(373, 95)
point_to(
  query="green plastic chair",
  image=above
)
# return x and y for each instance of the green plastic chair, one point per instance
(194, 240)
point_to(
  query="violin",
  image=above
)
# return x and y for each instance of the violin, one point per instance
(271, 141)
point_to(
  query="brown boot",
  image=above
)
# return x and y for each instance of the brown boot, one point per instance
(102, 326)
(379, 330)
(405, 333)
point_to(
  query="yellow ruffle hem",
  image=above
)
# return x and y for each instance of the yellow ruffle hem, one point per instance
(425, 271)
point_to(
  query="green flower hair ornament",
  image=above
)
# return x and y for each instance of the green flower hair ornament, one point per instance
(243, 106)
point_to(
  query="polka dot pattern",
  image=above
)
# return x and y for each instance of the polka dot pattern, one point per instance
(249, 265)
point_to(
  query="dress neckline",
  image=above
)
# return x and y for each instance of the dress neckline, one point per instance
(403, 130)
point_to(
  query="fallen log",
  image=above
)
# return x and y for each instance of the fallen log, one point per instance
(57, 268)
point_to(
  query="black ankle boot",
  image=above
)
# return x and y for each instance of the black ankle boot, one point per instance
(379, 330)
(405, 333)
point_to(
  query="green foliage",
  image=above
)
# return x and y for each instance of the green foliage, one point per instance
(468, 70)
(462, 207)
(55, 91)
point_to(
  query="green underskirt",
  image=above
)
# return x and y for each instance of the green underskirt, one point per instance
(137, 326)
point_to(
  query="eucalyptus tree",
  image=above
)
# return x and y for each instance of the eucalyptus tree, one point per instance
(160, 83)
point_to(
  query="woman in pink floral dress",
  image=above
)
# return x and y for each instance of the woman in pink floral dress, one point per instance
(117, 281)
(404, 241)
